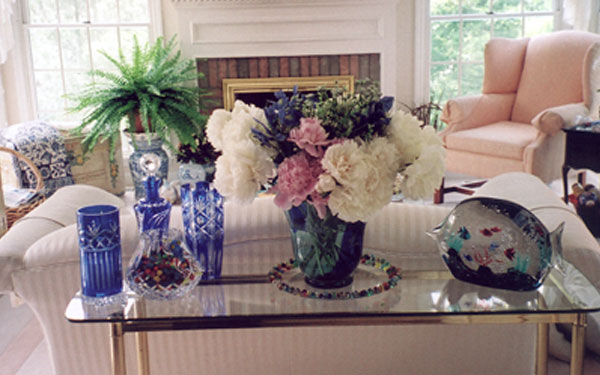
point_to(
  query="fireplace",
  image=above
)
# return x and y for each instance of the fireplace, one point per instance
(233, 39)
(226, 77)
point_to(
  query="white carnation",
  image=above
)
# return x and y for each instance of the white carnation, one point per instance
(326, 183)
(384, 154)
(215, 126)
(226, 129)
(344, 162)
(371, 187)
(425, 175)
(241, 171)
(405, 132)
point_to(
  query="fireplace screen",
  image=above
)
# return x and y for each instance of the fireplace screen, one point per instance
(258, 91)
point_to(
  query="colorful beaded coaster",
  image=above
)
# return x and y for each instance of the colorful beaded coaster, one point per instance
(393, 276)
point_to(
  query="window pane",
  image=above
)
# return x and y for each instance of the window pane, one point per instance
(475, 35)
(444, 82)
(439, 7)
(508, 27)
(74, 44)
(538, 25)
(127, 34)
(44, 48)
(134, 11)
(42, 12)
(75, 82)
(507, 6)
(104, 11)
(104, 39)
(72, 11)
(444, 41)
(49, 91)
(475, 6)
(538, 5)
(472, 79)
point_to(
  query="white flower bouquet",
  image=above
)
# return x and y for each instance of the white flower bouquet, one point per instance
(341, 153)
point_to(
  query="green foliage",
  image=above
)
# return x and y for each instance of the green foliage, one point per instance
(151, 86)
(345, 115)
(447, 51)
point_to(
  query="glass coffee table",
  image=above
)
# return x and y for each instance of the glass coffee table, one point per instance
(424, 295)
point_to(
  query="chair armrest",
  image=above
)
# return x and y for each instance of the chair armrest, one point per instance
(552, 120)
(468, 112)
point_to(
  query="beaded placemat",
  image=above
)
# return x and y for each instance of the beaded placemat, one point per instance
(390, 277)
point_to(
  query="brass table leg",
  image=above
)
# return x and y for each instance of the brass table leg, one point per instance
(577, 344)
(117, 349)
(541, 364)
(141, 340)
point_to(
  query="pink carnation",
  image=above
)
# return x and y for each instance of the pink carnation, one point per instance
(309, 136)
(319, 203)
(297, 177)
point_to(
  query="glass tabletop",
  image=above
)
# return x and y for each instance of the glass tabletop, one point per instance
(245, 297)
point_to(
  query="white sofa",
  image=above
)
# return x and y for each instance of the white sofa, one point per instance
(39, 263)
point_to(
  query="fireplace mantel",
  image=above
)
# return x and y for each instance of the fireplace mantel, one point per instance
(255, 28)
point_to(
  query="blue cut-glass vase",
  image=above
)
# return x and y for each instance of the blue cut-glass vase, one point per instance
(100, 250)
(327, 250)
(203, 217)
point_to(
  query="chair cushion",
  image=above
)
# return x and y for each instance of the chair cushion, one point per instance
(503, 139)
(552, 73)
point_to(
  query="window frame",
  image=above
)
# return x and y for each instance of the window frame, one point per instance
(24, 72)
(423, 23)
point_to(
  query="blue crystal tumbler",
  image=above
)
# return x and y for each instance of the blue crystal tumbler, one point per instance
(203, 216)
(100, 250)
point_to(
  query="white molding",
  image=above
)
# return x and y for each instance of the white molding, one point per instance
(422, 52)
(209, 28)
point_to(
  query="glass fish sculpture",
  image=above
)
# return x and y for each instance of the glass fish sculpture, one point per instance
(498, 243)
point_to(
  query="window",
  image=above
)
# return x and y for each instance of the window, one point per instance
(459, 30)
(64, 37)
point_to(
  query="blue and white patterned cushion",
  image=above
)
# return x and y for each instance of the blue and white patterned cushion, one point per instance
(44, 146)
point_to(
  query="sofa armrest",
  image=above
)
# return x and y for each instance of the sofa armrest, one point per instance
(552, 120)
(468, 112)
(55, 213)
(580, 248)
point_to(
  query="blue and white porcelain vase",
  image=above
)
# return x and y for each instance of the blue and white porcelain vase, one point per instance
(203, 217)
(144, 144)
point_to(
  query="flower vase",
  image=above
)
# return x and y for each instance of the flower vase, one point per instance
(144, 144)
(326, 250)
(203, 218)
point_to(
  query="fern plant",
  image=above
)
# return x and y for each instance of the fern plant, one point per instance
(156, 88)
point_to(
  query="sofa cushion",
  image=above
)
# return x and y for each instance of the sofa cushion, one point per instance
(580, 248)
(503, 139)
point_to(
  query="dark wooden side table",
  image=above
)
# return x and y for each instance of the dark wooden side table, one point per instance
(582, 151)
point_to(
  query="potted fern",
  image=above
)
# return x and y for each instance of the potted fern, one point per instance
(150, 96)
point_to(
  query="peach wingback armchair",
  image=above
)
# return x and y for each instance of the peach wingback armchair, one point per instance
(532, 87)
